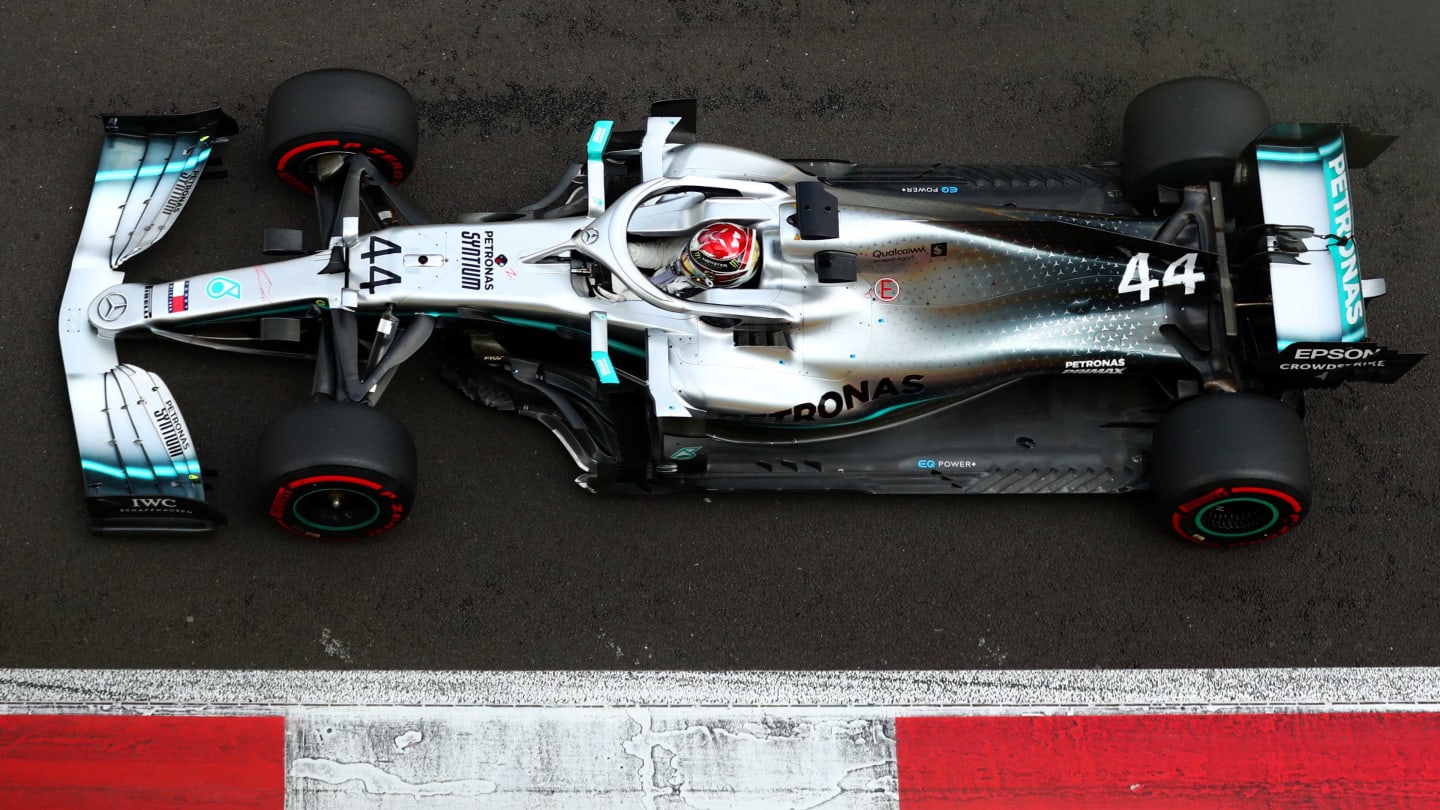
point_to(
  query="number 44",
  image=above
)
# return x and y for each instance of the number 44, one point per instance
(379, 276)
(1181, 271)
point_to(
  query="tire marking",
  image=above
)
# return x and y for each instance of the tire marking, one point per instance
(285, 158)
(343, 479)
(1294, 504)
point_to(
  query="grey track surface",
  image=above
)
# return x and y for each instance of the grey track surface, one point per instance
(505, 564)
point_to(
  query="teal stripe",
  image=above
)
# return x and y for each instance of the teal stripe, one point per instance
(116, 472)
(154, 171)
(549, 327)
(1300, 154)
(623, 348)
(626, 349)
(1275, 156)
(140, 473)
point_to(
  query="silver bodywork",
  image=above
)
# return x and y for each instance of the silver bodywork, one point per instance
(921, 322)
(948, 300)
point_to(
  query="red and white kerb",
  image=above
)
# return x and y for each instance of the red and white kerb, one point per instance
(737, 740)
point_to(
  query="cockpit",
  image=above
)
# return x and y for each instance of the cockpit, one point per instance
(704, 247)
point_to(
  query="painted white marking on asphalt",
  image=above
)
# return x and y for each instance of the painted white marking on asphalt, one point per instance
(375, 782)
(408, 739)
(1017, 692)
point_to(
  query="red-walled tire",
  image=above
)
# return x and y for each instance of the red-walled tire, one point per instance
(337, 470)
(1230, 469)
(339, 111)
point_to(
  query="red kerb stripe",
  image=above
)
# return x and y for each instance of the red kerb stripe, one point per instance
(1171, 761)
(90, 762)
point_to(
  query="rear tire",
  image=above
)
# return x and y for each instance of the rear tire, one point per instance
(1187, 132)
(1230, 469)
(340, 111)
(337, 470)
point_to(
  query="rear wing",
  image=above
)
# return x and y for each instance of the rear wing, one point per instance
(1315, 279)
(138, 464)
(1317, 290)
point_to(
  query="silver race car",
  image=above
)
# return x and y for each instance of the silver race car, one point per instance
(684, 315)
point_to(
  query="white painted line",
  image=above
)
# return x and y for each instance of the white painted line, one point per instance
(1089, 690)
(565, 757)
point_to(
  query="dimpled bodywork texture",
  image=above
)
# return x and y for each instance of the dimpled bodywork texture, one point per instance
(1015, 293)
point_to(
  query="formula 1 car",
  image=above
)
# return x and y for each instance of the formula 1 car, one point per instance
(910, 329)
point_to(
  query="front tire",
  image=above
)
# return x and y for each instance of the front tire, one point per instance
(340, 112)
(337, 470)
(1230, 469)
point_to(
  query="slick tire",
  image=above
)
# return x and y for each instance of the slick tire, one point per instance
(337, 470)
(337, 112)
(1187, 131)
(1230, 469)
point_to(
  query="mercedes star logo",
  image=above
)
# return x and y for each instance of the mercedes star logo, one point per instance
(112, 307)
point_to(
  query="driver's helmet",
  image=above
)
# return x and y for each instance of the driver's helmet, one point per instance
(721, 255)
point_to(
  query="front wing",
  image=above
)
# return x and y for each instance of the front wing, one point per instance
(138, 463)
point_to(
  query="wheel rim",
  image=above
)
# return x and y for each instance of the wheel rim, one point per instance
(324, 165)
(306, 163)
(1237, 517)
(335, 509)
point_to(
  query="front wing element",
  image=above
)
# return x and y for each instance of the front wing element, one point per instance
(138, 463)
(140, 467)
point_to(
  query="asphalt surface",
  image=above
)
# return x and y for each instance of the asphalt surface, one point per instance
(505, 563)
